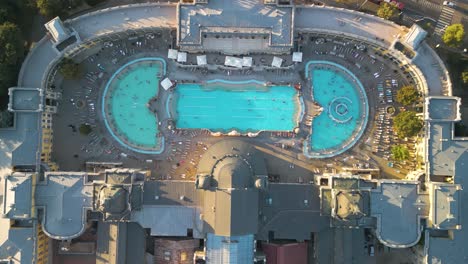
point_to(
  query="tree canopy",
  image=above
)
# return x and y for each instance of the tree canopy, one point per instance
(387, 10)
(6, 12)
(69, 69)
(465, 77)
(407, 124)
(12, 42)
(407, 95)
(400, 152)
(454, 35)
(11, 53)
(85, 129)
(94, 2)
(50, 8)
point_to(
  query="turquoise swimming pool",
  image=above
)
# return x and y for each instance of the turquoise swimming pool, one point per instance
(125, 105)
(247, 106)
(344, 104)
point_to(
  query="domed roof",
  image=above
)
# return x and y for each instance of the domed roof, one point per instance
(233, 172)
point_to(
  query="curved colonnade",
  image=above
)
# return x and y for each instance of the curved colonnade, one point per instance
(39, 66)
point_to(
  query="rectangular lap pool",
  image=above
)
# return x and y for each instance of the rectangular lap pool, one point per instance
(242, 106)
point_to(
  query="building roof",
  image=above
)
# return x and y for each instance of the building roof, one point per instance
(65, 198)
(172, 54)
(350, 205)
(398, 208)
(182, 56)
(166, 83)
(290, 211)
(20, 146)
(112, 199)
(444, 153)
(443, 108)
(247, 61)
(25, 99)
(231, 212)
(57, 30)
(233, 62)
(201, 60)
(169, 220)
(449, 157)
(17, 202)
(445, 205)
(251, 18)
(233, 172)
(17, 244)
(297, 57)
(415, 35)
(277, 61)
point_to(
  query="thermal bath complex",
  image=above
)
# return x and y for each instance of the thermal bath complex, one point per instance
(230, 131)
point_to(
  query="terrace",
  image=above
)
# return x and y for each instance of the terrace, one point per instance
(183, 147)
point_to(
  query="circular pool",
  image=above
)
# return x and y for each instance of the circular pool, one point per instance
(125, 105)
(344, 109)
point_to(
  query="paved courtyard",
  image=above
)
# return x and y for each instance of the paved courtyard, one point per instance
(283, 151)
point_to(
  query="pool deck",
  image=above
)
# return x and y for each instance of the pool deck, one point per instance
(184, 147)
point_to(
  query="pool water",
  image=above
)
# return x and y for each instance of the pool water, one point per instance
(128, 96)
(343, 107)
(244, 106)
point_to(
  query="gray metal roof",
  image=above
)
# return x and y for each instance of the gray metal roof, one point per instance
(231, 212)
(169, 220)
(242, 15)
(415, 36)
(25, 99)
(16, 243)
(291, 211)
(398, 207)
(169, 193)
(20, 145)
(454, 153)
(136, 244)
(445, 205)
(443, 152)
(443, 108)
(65, 197)
(18, 196)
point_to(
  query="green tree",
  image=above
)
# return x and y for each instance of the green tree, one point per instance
(6, 12)
(400, 152)
(94, 2)
(387, 10)
(407, 124)
(407, 95)
(11, 41)
(50, 8)
(7, 77)
(69, 69)
(85, 129)
(11, 52)
(454, 35)
(465, 77)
